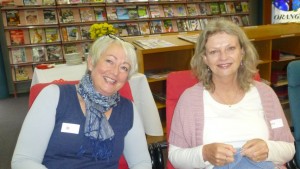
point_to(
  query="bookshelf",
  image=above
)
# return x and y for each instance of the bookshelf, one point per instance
(35, 29)
(266, 38)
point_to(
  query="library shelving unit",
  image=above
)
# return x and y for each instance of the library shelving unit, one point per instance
(266, 38)
(44, 31)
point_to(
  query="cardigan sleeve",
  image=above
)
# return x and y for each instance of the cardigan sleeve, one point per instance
(188, 119)
(274, 114)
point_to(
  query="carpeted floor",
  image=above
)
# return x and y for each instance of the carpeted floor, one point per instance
(12, 113)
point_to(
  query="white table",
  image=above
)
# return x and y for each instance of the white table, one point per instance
(140, 89)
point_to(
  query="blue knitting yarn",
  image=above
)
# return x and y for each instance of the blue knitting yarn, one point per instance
(242, 162)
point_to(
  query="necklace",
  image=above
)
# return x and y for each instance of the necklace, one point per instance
(229, 101)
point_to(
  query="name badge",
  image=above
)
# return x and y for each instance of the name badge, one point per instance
(276, 123)
(70, 128)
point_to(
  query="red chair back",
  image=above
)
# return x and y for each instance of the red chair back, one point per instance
(125, 91)
(177, 82)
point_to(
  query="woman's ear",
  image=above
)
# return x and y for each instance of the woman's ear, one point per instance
(243, 52)
(204, 59)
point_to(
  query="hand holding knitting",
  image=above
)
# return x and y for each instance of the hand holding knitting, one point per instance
(218, 154)
(257, 150)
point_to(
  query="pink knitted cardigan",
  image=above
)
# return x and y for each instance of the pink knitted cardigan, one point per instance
(188, 119)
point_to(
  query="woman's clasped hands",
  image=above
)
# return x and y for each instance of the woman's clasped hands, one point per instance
(219, 154)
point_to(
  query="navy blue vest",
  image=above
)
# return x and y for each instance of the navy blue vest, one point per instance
(63, 148)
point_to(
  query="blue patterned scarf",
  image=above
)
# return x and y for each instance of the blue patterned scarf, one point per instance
(97, 127)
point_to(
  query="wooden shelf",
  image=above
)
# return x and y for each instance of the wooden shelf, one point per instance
(265, 39)
(284, 102)
(281, 83)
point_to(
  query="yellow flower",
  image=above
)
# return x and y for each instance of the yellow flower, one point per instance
(99, 29)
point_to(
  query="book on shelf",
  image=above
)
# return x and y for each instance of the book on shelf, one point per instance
(38, 54)
(182, 25)
(122, 13)
(168, 10)
(94, 1)
(208, 8)
(113, 1)
(192, 9)
(85, 32)
(122, 29)
(189, 38)
(54, 53)
(245, 7)
(133, 29)
(136, 1)
(153, 43)
(193, 25)
(230, 8)
(180, 10)
(22, 73)
(12, 18)
(143, 12)
(31, 17)
(48, 2)
(157, 27)
(61, 2)
(37, 35)
(30, 2)
(111, 12)
(87, 14)
(70, 48)
(132, 12)
(203, 8)
(52, 35)
(67, 15)
(237, 20)
(156, 11)
(86, 47)
(64, 34)
(170, 25)
(75, 1)
(18, 55)
(100, 13)
(144, 28)
(50, 16)
(73, 33)
(17, 37)
(214, 8)
(222, 6)
(245, 20)
(238, 7)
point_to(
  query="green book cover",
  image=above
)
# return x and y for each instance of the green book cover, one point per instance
(214, 7)
(142, 12)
